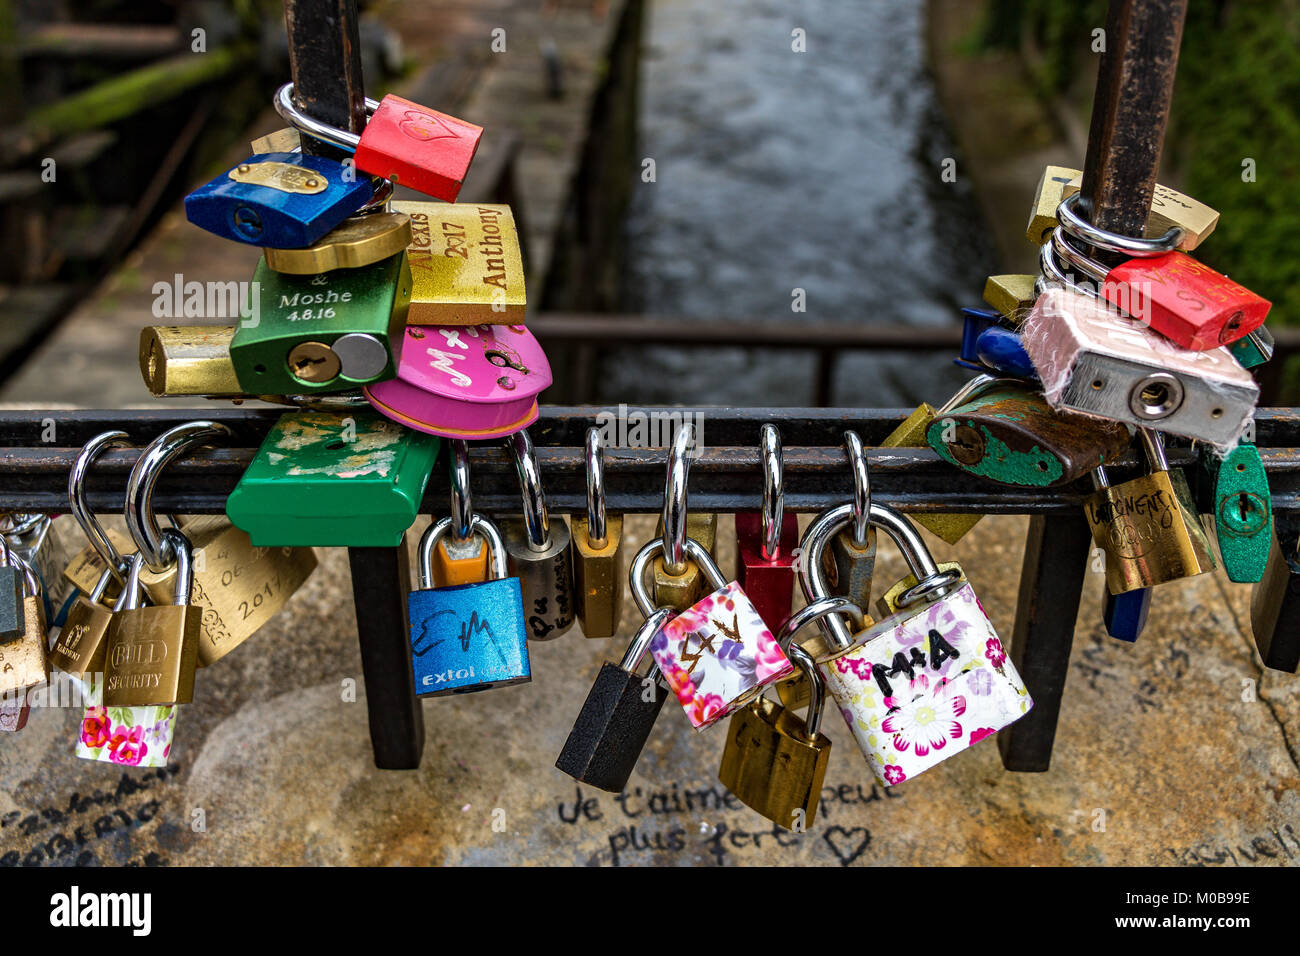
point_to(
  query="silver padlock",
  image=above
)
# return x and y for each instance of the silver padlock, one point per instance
(537, 551)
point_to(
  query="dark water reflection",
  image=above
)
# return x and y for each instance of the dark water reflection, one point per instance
(779, 170)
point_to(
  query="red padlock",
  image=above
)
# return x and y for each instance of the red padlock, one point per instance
(405, 142)
(1176, 296)
(766, 542)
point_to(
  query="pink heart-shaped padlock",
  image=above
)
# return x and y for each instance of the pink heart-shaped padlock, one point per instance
(458, 381)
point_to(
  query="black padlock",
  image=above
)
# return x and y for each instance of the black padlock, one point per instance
(616, 719)
(12, 621)
(1275, 600)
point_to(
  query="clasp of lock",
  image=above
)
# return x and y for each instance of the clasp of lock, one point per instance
(767, 540)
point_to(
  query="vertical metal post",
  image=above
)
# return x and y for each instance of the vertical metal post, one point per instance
(380, 580)
(325, 64)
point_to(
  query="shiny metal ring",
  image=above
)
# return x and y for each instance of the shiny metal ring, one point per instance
(816, 689)
(1132, 246)
(18, 524)
(1066, 254)
(293, 114)
(645, 634)
(935, 583)
(674, 515)
(861, 488)
(462, 506)
(140, 518)
(537, 520)
(815, 611)
(595, 458)
(773, 512)
(636, 575)
(99, 539)
(1154, 448)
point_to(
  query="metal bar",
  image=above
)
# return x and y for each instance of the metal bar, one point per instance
(1051, 584)
(1135, 83)
(325, 64)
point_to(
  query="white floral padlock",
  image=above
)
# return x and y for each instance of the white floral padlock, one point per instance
(717, 654)
(925, 682)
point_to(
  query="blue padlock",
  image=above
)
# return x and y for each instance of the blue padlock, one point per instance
(974, 323)
(279, 200)
(1126, 614)
(467, 637)
(1002, 351)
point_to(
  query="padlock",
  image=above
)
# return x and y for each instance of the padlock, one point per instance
(357, 241)
(680, 591)
(106, 547)
(1172, 294)
(14, 711)
(467, 637)
(79, 647)
(598, 567)
(1243, 511)
(1012, 295)
(987, 345)
(717, 654)
(12, 624)
(151, 653)
(24, 663)
(285, 200)
(1094, 360)
(1125, 614)
(405, 142)
(236, 587)
(333, 479)
(460, 557)
(677, 582)
(128, 736)
(924, 683)
(1253, 349)
(774, 762)
(466, 265)
(1148, 526)
(1275, 600)
(616, 718)
(796, 691)
(188, 360)
(35, 538)
(767, 540)
(471, 382)
(888, 603)
(327, 332)
(537, 550)
(1009, 434)
(1170, 209)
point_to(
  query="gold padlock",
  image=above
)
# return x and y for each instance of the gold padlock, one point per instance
(887, 603)
(188, 360)
(79, 647)
(1012, 295)
(86, 568)
(680, 591)
(1148, 527)
(598, 565)
(24, 663)
(357, 241)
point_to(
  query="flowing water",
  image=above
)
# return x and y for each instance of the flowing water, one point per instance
(778, 171)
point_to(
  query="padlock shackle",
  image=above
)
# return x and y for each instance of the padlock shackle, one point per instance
(675, 501)
(99, 539)
(861, 487)
(1132, 246)
(640, 646)
(641, 563)
(537, 520)
(812, 722)
(1153, 447)
(129, 598)
(140, 518)
(101, 583)
(7, 557)
(293, 114)
(817, 610)
(773, 510)
(439, 529)
(462, 506)
(594, 455)
(179, 545)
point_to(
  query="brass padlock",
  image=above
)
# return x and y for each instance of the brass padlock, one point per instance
(1012, 295)
(678, 582)
(775, 763)
(151, 652)
(598, 565)
(795, 691)
(24, 663)
(79, 648)
(1148, 527)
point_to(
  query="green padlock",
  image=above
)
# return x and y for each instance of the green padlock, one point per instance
(1255, 349)
(1009, 434)
(333, 479)
(1243, 511)
(323, 333)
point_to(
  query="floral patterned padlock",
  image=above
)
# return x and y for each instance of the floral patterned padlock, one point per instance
(927, 681)
(717, 655)
(130, 736)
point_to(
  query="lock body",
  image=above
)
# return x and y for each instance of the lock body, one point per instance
(11, 603)
(236, 588)
(468, 637)
(612, 728)
(418, 147)
(357, 241)
(1254, 349)
(151, 656)
(680, 591)
(332, 479)
(472, 382)
(1125, 614)
(1009, 434)
(919, 687)
(1150, 532)
(1012, 295)
(545, 577)
(718, 654)
(1275, 605)
(460, 562)
(85, 568)
(466, 264)
(598, 576)
(768, 582)
(911, 434)
(25, 662)
(188, 360)
(887, 604)
(1093, 360)
(286, 200)
(772, 766)
(130, 736)
(80, 646)
(326, 332)
(1243, 512)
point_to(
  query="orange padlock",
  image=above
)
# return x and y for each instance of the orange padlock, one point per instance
(460, 558)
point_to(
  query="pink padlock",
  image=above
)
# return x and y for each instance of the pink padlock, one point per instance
(458, 381)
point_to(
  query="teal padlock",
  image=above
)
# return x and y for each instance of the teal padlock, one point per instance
(1243, 511)
(1254, 349)
(333, 479)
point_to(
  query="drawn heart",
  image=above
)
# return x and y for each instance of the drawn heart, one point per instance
(841, 842)
(424, 127)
